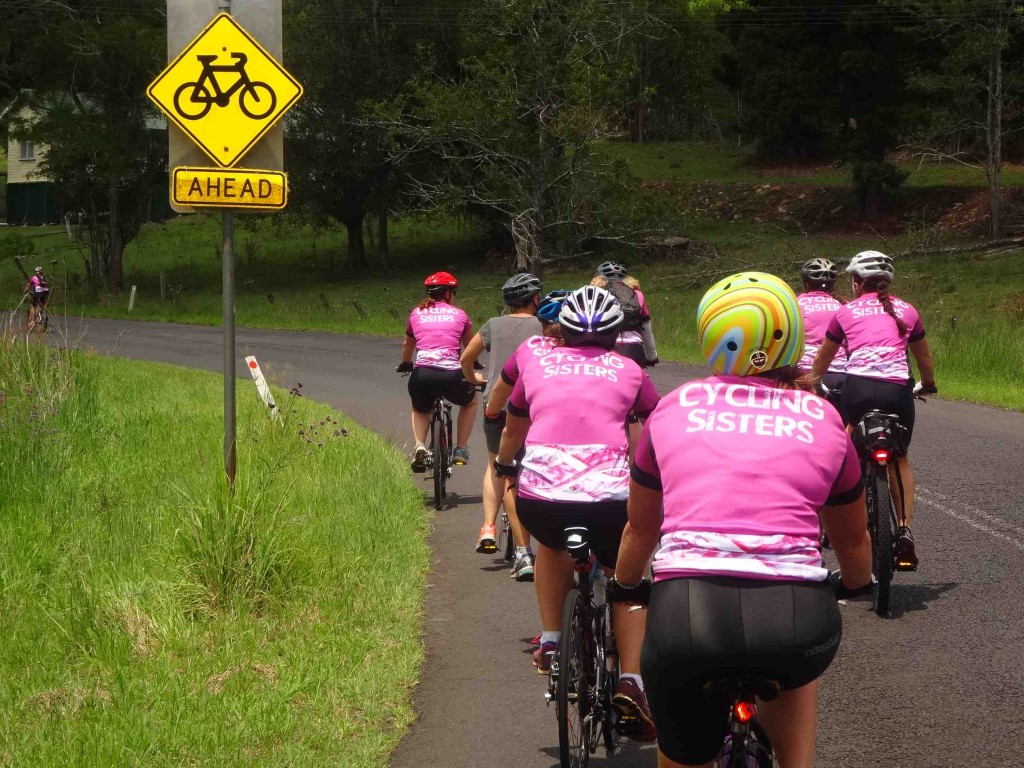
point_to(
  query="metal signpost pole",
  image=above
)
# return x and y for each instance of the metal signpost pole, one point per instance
(228, 289)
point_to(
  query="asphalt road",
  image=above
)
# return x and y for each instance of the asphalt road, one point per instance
(937, 684)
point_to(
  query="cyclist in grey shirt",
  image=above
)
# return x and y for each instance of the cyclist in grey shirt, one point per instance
(500, 337)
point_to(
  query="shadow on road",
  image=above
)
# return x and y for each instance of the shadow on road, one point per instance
(908, 598)
(630, 754)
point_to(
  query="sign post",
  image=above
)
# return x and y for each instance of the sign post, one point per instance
(226, 93)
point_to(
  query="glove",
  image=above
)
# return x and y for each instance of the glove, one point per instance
(506, 470)
(478, 366)
(925, 389)
(404, 367)
(654, 362)
(639, 594)
(842, 592)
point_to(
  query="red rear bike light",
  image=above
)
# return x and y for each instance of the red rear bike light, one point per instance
(744, 711)
(881, 455)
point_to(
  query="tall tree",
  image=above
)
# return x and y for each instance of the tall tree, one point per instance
(511, 129)
(973, 77)
(349, 55)
(91, 63)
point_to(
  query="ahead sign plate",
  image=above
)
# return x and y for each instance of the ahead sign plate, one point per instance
(229, 188)
(225, 91)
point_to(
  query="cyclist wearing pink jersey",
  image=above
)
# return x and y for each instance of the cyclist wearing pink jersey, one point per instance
(436, 331)
(636, 337)
(731, 477)
(570, 407)
(878, 329)
(818, 303)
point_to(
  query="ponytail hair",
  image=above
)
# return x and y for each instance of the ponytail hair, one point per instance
(434, 295)
(789, 377)
(880, 285)
(427, 303)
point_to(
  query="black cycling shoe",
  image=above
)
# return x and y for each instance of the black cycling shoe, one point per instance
(906, 554)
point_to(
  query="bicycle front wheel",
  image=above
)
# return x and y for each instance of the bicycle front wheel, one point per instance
(880, 521)
(572, 694)
(257, 100)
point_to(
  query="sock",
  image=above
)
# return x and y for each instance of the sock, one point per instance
(635, 678)
(520, 551)
(420, 445)
(549, 637)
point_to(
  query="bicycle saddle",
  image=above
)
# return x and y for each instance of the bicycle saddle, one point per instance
(744, 686)
(207, 58)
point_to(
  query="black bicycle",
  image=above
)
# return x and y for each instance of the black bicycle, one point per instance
(586, 668)
(880, 440)
(256, 100)
(506, 542)
(440, 460)
(746, 744)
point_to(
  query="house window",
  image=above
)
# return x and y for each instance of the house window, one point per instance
(28, 150)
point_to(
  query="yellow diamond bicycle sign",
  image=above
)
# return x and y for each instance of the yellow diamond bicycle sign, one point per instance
(224, 90)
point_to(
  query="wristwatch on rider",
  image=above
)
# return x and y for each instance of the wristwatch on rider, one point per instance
(634, 594)
(506, 470)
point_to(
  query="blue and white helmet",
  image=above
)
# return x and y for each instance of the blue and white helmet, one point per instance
(590, 315)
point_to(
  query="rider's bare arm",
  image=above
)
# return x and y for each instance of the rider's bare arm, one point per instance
(923, 355)
(641, 534)
(826, 352)
(500, 393)
(846, 526)
(408, 348)
(470, 355)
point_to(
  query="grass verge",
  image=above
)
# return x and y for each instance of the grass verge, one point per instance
(152, 619)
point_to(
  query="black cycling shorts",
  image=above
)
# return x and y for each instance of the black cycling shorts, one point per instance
(547, 520)
(425, 384)
(861, 394)
(39, 298)
(492, 434)
(703, 629)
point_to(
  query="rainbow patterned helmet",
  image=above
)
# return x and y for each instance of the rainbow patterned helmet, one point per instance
(750, 323)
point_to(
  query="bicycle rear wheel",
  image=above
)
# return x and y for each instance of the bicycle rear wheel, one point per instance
(439, 449)
(880, 522)
(572, 692)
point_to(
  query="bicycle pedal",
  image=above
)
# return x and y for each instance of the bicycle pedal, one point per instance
(905, 567)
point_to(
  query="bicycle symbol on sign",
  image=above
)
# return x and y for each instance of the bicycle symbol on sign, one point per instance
(257, 99)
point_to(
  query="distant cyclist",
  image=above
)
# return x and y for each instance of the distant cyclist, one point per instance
(500, 337)
(569, 407)
(435, 332)
(38, 292)
(818, 305)
(878, 329)
(636, 338)
(730, 477)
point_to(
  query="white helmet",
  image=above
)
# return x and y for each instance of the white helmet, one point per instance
(590, 315)
(871, 264)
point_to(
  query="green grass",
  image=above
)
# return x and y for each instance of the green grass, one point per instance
(150, 619)
(699, 162)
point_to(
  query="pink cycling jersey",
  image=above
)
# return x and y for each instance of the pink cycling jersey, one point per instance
(38, 286)
(535, 346)
(818, 308)
(744, 467)
(634, 337)
(876, 349)
(578, 400)
(438, 331)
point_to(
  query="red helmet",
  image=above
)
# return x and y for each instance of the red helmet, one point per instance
(441, 280)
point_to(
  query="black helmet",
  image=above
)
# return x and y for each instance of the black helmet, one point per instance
(520, 288)
(611, 270)
(819, 271)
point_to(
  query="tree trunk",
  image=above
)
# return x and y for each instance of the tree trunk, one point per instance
(115, 244)
(356, 248)
(382, 238)
(995, 135)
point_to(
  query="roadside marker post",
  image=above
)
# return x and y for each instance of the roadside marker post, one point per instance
(225, 92)
(263, 388)
(131, 299)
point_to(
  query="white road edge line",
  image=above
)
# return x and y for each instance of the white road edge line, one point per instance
(972, 521)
